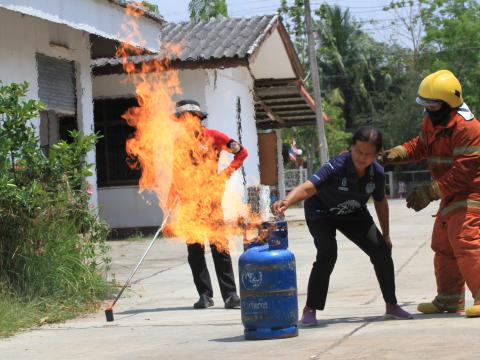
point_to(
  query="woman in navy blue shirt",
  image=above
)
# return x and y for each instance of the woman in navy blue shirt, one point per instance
(335, 199)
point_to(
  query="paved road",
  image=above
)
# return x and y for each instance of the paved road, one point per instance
(156, 321)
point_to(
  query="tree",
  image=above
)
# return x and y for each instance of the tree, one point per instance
(394, 91)
(294, 20)
(207, 9)
(150, 7)
(453, 43)
(344, 63)
(409, 25)
(400, 120)
(306, 137)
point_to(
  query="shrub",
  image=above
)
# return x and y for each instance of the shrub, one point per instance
(52, 244)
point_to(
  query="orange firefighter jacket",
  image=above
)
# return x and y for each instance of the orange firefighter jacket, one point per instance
(453, 158)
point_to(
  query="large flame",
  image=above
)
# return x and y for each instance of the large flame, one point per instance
(177, 160)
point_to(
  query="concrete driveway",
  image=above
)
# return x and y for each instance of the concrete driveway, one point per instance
(156, 320)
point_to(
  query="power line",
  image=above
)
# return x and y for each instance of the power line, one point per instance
(322, 3)
(250, 10)
(273, 8)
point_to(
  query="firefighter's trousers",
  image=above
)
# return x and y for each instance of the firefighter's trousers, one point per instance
(456, 243)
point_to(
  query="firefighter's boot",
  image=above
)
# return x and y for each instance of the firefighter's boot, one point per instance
(473, 311)
(432, 308)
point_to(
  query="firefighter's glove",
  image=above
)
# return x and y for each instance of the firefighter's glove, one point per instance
(395, 155)
(422, 195)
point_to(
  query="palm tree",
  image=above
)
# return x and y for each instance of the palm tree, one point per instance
(344, 62)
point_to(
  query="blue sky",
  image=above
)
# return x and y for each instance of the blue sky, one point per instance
(177, 10)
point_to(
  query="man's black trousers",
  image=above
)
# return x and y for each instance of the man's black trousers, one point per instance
(361, 230)
(201, 276)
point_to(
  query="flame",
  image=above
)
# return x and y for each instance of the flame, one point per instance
(178, 162)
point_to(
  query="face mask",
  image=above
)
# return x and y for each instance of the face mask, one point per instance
(441, 115)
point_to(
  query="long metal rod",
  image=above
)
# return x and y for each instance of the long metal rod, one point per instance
(141, 260)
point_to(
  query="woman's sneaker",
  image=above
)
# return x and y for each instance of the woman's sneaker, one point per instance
(396, 312)
(309, 317)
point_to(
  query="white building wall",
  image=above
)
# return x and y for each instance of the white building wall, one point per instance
(124, 207)
(101, 17)
(21, 37)
(222, 90)
(262, 65)
(217, 92)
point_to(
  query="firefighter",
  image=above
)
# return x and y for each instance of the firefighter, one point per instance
(205, 152)
(450, 142)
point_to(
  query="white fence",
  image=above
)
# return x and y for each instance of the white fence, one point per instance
(294, 177)
(411, 179)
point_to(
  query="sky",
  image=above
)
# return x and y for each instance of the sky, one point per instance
(364, 11)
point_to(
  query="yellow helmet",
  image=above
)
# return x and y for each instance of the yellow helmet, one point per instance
(441, 85)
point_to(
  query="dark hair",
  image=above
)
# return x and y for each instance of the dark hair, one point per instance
(370, 134)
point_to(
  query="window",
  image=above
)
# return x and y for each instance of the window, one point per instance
(57, 90)
(112, 167)
(55, 127)
(65, 125)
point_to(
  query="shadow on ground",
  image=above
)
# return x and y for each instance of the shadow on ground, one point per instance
(238, 338)
(141, 311)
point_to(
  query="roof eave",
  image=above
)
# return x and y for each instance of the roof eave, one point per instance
(145, 12)
(108, 66)
(292, 53)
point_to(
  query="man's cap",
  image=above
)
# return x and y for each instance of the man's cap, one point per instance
(190, 106)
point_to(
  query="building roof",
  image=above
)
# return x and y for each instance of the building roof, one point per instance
(229, 42)
(283, 103)
(214, 43)
(218, 38)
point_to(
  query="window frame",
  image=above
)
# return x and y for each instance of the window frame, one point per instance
(106, 111)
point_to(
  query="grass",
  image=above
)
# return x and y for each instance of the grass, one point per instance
(18, 314)
(56, 274)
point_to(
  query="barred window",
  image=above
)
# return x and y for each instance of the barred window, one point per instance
(112, 167)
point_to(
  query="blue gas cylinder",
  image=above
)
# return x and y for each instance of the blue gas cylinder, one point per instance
(268, 287)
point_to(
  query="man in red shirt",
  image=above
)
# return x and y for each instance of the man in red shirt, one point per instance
(450, 142)
(199, 187)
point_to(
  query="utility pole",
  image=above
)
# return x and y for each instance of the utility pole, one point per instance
(322, 140)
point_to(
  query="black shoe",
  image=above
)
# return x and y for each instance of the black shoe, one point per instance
(232, 302)
(204, 302)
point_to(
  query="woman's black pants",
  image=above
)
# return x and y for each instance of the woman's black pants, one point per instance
(361, 230)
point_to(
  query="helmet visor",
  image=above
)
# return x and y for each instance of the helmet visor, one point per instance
(428, 102)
